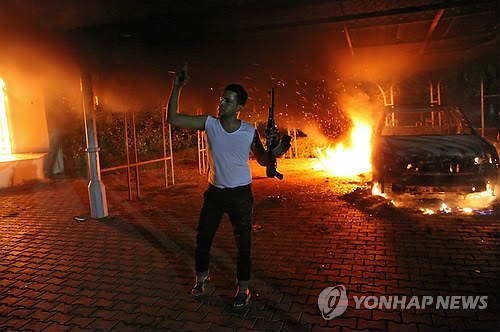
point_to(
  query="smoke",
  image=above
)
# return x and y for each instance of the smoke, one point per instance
(43, 48)
(316, 134)
(50, 63)
(130, 72)
(359, 106)
(37, 61)
(378, 63)
(126, 91)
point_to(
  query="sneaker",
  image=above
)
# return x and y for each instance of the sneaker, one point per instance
(199, 289)
(241, 300)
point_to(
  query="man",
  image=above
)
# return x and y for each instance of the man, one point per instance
(230, 141)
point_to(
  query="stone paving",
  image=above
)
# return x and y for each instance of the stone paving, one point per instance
(133, 270)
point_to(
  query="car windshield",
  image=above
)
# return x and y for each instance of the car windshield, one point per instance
(425, 122)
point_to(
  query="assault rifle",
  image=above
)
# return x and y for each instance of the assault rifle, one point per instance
(271, 143)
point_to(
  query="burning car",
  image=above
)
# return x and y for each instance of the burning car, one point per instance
(431, 149)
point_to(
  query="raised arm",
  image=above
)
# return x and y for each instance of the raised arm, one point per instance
(177, 119)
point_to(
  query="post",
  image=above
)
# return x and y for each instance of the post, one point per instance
(137, 181)
(200, 135)
(167, 134)
(482, 107)
(96, 188)
(295, 142)
(163, 122)
(435, 95)
(127, 152)
(171, 152)
(389, 102)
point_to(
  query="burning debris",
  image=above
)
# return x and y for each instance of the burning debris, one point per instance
(373, 204)
(408, 205)
(483, 203)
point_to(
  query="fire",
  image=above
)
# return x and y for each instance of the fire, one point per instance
(5, 147)
(348, 160)
(476, 202)
(376, 190)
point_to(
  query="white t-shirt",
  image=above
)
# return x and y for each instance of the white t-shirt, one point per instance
(228, 154)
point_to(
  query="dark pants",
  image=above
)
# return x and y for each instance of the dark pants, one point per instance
(237, 203)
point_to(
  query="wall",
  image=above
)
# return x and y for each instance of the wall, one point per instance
(26, 113)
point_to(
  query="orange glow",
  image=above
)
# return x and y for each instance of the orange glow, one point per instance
(427, 211)
(472, 202)
(5, 146)
(376, 190)
(480, 200)
(348, 160)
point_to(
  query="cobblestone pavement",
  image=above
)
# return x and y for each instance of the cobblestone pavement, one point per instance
(134, 269)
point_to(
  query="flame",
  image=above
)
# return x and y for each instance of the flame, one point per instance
(444, 208)
(5, 146)
(348, 160)
(475, 202)
(376, 190)
(483, 199)
(427, 211)
(467, 210)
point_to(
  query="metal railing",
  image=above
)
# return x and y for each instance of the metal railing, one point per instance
(167, 158)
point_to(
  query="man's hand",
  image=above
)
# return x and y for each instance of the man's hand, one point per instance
(273, 136)
(181, 77)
